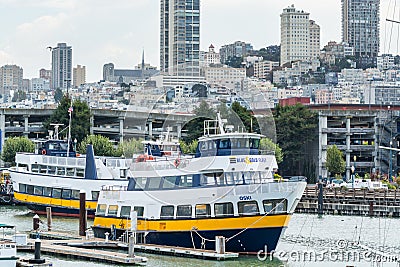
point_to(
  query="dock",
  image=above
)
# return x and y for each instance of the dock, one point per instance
(158, 249)
(73, 246)
(360, 202)
(52, 248)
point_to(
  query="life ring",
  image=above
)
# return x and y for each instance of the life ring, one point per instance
(44, 152)
(177, 162)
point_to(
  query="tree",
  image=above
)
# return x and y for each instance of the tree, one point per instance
(267, 144)
(335, 163)
(194, 127)
(246, 117)
(58, 95)
(101, 146)
(19, 96)
(16, 144)
(130, 147)
(188, 148)
(80, 118)
(296, 128)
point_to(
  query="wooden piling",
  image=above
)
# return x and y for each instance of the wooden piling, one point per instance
(371, 209)
(320, 199)
(49, 218)
(36, 221)
(82, 213)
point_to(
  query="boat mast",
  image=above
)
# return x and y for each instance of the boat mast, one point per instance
(69, 128)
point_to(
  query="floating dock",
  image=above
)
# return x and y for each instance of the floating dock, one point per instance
(68, 245)
(51, 247)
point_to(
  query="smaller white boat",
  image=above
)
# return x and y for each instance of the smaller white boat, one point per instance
(8, 250)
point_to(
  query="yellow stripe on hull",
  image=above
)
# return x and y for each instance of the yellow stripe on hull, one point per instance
(208, 224)
(49, 201)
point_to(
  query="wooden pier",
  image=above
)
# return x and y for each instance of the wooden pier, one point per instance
(53, 248)
(362, 202)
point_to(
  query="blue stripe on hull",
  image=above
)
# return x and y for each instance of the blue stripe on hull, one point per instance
(250, 241)
(58, 211)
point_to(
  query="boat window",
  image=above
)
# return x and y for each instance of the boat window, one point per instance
(22, 188)
(112, 210)
(125, 211)
(75, 194)
(186, 181)
(184, 211)
(29, 189)
(51, 170)
(47, 191)
(35, 168)
(229, 178)
(223, 209)
(70, 172)
(80, 172)
(56, 193)
(203, 211)
(254, 143)
(101, 209)
(169, 182)
(42, 169)
(154, 183)
(140, 183)
(167, 212)
(248, 208)
(139, 211)
(203, 146)
(60, 171)
(66, 193)
(275, 206)
(95, 195)
(224, 144)
(38, 190)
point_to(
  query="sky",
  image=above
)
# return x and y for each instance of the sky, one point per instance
(103, 31)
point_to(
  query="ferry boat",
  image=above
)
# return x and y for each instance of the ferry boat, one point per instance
(226, 190)
(55, 175)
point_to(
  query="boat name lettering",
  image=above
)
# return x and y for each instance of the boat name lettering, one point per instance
(245, 198)
(249, 160)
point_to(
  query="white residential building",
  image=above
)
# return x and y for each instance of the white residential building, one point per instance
(300, 36)
(40, 85)
(225, 76)
(263, 68)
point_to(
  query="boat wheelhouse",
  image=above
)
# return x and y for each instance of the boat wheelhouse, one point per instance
(226, 190)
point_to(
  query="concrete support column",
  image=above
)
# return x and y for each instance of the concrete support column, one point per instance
(121, 129)
(323, 137)
(348, 150)
(150, 129)
(3, 128)
(179, 130)
(91, 124)
(26, 125)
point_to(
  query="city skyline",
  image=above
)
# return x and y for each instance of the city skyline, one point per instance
(101, 32)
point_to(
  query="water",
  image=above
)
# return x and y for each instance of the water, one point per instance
(328, 238)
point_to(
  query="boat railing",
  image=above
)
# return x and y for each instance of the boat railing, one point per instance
(267, 152)
(158, 163)
(114, 188)
(64, 161)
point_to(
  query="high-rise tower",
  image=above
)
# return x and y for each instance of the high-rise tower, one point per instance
(360, 26)
(61, 66)
(300, 36)
(180, 37)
